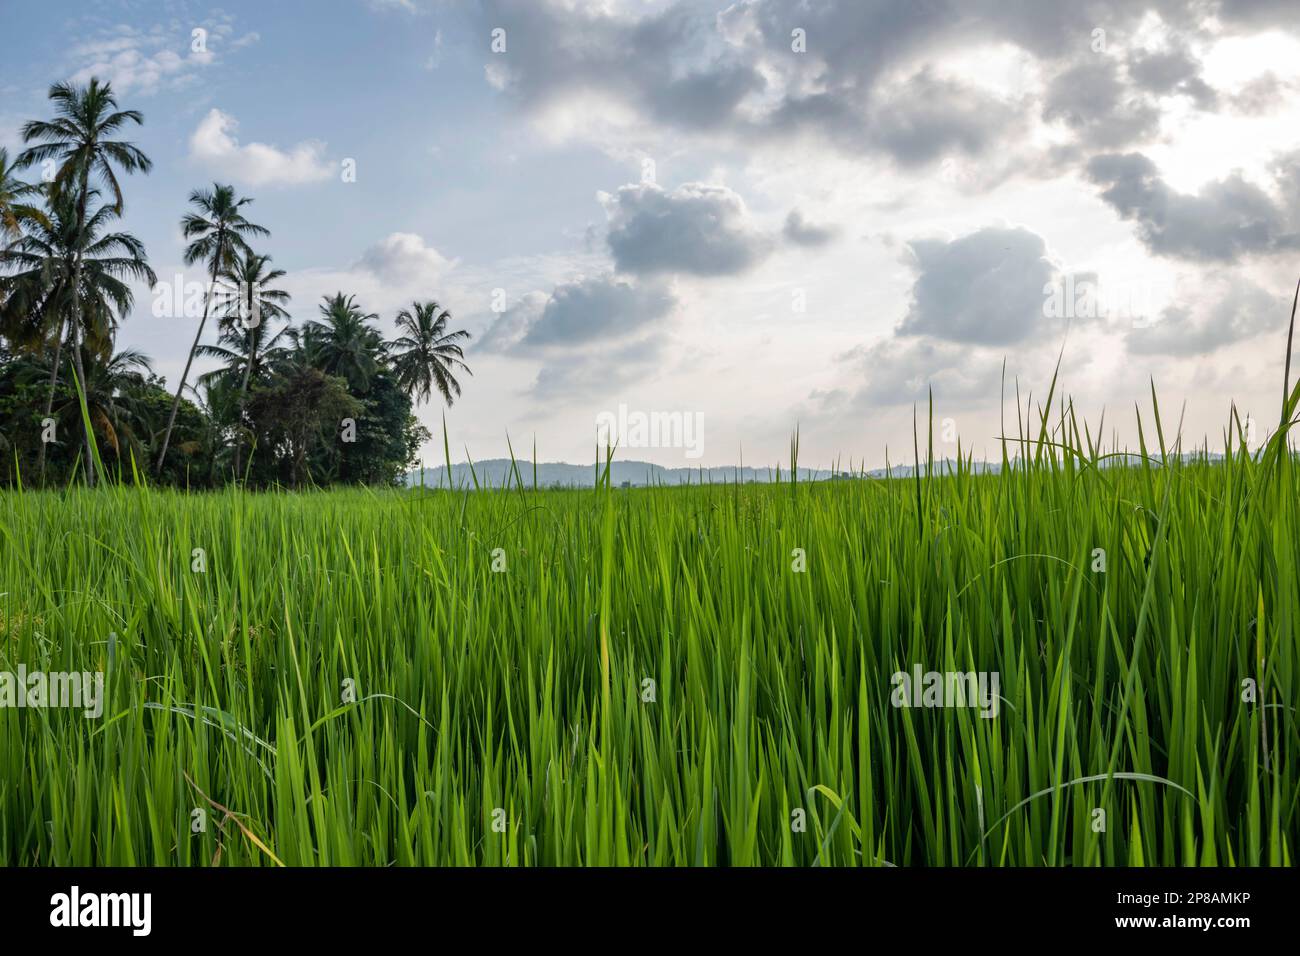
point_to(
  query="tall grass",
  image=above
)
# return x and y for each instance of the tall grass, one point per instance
(351, 682)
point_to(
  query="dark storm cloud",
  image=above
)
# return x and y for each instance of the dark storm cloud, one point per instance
(1224, 221)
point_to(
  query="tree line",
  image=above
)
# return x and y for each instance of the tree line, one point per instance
(320, 401)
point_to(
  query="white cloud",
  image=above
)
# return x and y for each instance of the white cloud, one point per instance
(408, 5)
(435, 58)
(387, 276)
(137, 63)
(214, 145)
(698, 228)
(142, 62)
(403, 257)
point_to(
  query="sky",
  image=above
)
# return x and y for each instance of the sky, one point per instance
(762, 214)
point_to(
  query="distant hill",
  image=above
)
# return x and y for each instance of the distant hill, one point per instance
(496, 472)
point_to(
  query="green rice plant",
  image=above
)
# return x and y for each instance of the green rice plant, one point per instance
(672, 676)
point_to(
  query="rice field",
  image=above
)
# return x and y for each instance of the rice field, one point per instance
(669, 676)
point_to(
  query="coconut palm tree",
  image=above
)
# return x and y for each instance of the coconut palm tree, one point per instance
(427, 355)
(14, 211)
(251, 305)
(218, 233)
(114, 392)
(80, 139)
(44, 306)
(114, 384)
(343, 342)
(215, 400)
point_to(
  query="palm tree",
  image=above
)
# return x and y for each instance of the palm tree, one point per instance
(114, 392)
(14, 212)
(343, 342)
(79, 137)
(216, 404)
(114, 385)
(427, 356)
(44, 305)
(218, 232)
(250, 306)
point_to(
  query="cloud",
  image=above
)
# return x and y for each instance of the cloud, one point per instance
(1226, 220)
(803, 233)
(214, 145)
(863, 76)
(927, 117)
(595, 310)
(1264, 94)
(697, 228)
(983, 288)
(971, 295)
(1174, 70)
(435, 58)
(578, 314)
(666, 64)
(893, 372)
(143, 62)
(1091, 99)
(1258, 14)
(1227, 310)
(572, 377)
(133, 63)
(386, 276)
(1111, 101)
(507, 331)
(589, 335)
(402, 258)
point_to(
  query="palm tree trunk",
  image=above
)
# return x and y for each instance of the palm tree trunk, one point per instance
(49, 405)
(176, 402)
(243, 391)
(92, 466)
(75, 338)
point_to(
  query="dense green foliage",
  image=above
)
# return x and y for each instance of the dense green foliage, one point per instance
(363, 678)
(325, 401)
